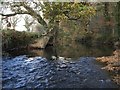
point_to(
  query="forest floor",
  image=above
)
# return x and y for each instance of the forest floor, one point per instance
(112, 65)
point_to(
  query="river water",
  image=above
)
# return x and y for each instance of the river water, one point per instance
(35, 69)
(73, 50)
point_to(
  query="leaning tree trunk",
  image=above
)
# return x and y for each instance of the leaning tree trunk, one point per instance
(56, 32)
(54, 35)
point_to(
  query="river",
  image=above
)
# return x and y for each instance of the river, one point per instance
(35, 69)
(72, 50)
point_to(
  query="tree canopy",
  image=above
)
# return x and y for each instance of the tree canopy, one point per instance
(50, 10)
(65, 10)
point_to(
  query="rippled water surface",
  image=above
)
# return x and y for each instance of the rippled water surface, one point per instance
(38, 72)
(76, 68)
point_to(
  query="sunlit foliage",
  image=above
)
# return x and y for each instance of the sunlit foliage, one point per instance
(65, 10)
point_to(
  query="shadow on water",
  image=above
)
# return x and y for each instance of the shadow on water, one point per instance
(73, 50)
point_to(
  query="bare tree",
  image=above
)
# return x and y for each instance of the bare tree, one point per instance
(14, 20)
(28, 22)
(30, 8)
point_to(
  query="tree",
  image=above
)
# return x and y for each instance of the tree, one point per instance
(14, 20)
(71, 11)
(25, 8)
(118, 18)
(28, 22)
(54, 12)
(57, 11)
(6, 23)
(107, 18)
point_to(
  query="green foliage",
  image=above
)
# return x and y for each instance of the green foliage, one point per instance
(61, 11)
(12, 39)
(67, 11)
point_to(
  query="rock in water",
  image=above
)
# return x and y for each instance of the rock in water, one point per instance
(68, 58)
(61, 58)
(54, 58)
(63, 66)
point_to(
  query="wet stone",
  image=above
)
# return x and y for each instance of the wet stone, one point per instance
(63, 66)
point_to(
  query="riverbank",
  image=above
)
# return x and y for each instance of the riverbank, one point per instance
(112, 65)
(12, 40)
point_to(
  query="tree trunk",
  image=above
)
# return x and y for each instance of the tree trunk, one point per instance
(118, 18)
(108, 29)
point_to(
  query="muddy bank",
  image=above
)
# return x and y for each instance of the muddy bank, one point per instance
(38, 72)
(112, 65)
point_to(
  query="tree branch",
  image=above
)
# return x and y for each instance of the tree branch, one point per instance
(34, 14)
(13, 14)
(29, 11)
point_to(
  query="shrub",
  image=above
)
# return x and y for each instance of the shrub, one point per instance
(12, 39)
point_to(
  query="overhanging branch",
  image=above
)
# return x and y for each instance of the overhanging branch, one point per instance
(29, 11)
(13, 14)
(34, 14)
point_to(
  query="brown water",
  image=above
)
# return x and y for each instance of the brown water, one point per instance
(73, 50)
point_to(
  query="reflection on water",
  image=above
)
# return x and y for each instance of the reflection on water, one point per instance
(73, 50)
(77, 50)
